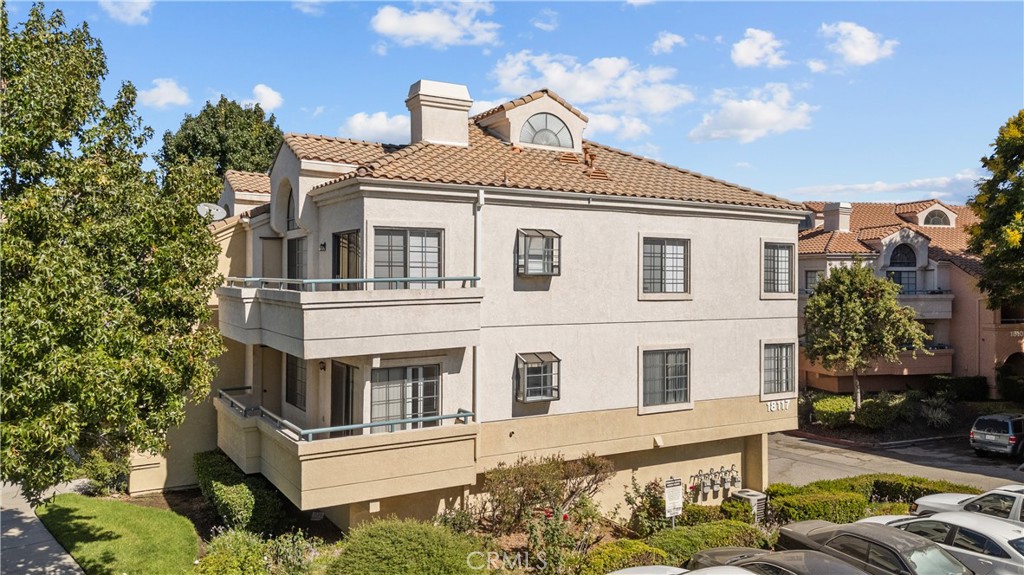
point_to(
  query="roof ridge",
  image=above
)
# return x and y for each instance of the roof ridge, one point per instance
(690, 172)
(339, 139)
(386, 159)
(526, 99)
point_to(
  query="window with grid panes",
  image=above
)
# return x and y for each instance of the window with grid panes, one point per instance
(778, 367)
(408, 392)
(295, 381)
(778, 268)
(665, 265)
(407, 253)
(666, 376)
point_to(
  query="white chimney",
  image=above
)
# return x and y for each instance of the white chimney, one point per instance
(837, 216)
(440, 112)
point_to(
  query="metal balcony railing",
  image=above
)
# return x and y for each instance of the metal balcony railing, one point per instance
(325, 284)
(461, 416)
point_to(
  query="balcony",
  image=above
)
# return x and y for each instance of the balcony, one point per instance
(939, 362)
(317, 318)
(927, 304)
(315, 470)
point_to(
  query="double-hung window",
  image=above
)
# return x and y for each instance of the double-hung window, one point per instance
(665, 263)
(778, 368)
(295, 381)
(666, 377)
(407, 253)
(778, 268)
(538, 253)
(811, 278)
(408, 392)
(537, 377)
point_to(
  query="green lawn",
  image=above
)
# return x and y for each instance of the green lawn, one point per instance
(109, 537)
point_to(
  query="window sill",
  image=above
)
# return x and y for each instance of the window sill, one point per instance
(778, 296)
(662, 296)
(538, 399)
(777, 396)
(664, 408)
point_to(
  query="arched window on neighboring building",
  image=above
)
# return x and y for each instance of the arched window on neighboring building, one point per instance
(903, 268)
(936, 218)
(546, 130)
(291, 223)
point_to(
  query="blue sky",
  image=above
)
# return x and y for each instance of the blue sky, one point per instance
(865, 101)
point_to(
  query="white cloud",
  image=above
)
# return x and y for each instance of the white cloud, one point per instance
(377, 127)
(268, 98)
(602, 85)
(666, 42)
(130, 12)
(816, 66)
(309, 7)
(956, 188)
(639, 2)
(480, 106)
(744, 165)
(625, 127)
(768, 110)
(314, 112)
(380, 48)
(547, 20)
(165, 92)
(446, 24)
(758, 48)
(856, 44)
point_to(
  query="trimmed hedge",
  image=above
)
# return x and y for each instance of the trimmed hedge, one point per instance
(682, 542)
(876, 414)
(966, 388)
(833, 411)
(697, 514)
(837, 507)
(608, 557)
(406, 546)
(879, 487)
(781, 489)
(241, 501)
(738, 510)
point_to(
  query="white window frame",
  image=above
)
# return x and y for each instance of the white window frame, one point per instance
(370, 243)
(792, 293)
(526, 361)
(666, 407)
(688, 263)
(550, 262)
(793, 369)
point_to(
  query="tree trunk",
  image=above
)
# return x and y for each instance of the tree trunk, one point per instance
(856, 391)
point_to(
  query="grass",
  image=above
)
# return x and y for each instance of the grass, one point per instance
(109, 537)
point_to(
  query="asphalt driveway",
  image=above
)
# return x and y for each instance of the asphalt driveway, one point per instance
(800, 461)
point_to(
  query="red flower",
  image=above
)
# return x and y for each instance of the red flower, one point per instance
(547, 513)
(565, 517)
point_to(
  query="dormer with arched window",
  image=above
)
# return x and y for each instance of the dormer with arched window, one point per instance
(540, 120)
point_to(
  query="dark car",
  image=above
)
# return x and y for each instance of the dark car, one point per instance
(877, 549)
(797, 562)
(1001, 433)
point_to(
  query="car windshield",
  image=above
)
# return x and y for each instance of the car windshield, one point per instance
(936, 560)
(1017, 544)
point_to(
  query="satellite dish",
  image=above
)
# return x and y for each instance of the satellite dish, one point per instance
(215, 212)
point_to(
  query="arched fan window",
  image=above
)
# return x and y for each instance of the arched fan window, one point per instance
(546, 130)
(903, 257)
(936, 218)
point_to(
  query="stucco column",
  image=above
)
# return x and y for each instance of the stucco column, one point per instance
(755, 462)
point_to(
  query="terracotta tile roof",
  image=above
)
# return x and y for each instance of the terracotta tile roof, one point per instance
(487, 161)
(337, 150)
(869, 221)
(529, 98)
(818, 241)
(248, 182)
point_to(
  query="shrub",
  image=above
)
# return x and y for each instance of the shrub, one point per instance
(1009, 384)
(887, 508)
(621, 554)
(833, 411)
(241, 501)
(863, 485)
(696, 514)
(106, 474)
(837, 507)
(233, 552)
(647, 507)
(910, 407)
(877, 414)
(514, 491)
(960, 388)
(682, 542)
(903, 489)
(404, 546)
(292, 553)
(737, 510)
(936, 411)
(780, 489)
(458, 520)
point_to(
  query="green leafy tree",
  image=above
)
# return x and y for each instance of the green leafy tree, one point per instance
(854, 319)
(232, 136)
(107, 273)
(999, 204)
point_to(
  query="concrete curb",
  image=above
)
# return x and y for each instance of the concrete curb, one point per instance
(868, 445)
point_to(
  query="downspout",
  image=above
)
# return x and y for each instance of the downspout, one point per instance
(478, 222)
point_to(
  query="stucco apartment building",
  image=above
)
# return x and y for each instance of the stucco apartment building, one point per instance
(923, 247)
(400, 319)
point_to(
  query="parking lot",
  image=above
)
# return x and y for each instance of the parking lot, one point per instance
(800, 461)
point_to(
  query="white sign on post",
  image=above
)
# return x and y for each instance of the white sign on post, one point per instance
(673, 497)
